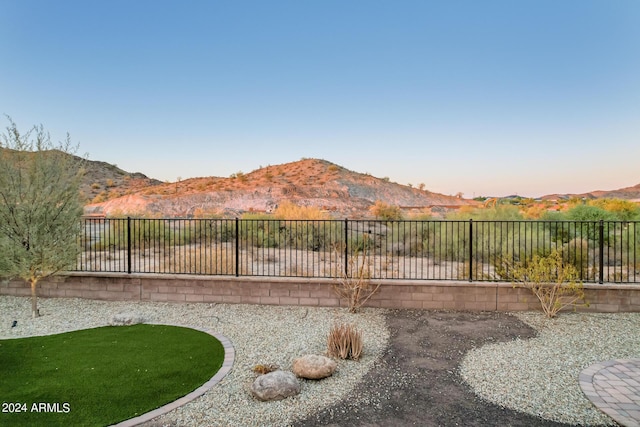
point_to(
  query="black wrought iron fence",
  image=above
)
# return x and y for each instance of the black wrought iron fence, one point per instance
(602, 251)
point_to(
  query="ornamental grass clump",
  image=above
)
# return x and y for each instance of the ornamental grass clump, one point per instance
(345, 341)
(555, 283)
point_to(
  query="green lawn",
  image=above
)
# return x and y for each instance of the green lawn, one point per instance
(102, 376)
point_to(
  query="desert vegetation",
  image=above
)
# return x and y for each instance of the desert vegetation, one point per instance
(354, 284)
(345, 341)
(40, 206)
(484, 247)
(552, 280)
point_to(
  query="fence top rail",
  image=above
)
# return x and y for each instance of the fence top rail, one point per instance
(383, 221)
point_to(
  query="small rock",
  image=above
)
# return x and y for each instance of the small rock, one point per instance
(125, 319)
(275, 385)
(314, 367)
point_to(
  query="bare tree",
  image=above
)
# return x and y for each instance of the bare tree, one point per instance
(40, 206)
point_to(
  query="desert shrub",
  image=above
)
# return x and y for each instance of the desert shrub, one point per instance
(260, 233)
(218, 260)
(576, 253)
(406, 238)
(385, 211)
(354, 284)
(155, 232)
(310, 234)
(446, 240)
(496, 213)
(622, 210)
(103, 196)
(345, 341)
(555, 283)
(289, 210)
(589, 213)
(425, 215)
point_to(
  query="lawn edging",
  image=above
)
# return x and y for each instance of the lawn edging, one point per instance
(227, 365)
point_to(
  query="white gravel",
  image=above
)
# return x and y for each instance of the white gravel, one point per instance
(537, 376)
(260, 335)
(540, 375)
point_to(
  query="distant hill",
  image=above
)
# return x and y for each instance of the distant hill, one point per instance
(103, 181)
(109, 190)
(308, 182)
(627, 193)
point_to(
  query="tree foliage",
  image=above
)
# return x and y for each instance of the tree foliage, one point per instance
(589, 213)
(40, 206)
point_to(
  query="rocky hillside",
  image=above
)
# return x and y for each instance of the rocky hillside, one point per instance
(308, 182)
(103, 181)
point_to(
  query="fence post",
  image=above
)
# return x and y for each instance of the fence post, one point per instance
(346, 247)
(601, 244)
(129, 245)
(237, 249)
(470, 250)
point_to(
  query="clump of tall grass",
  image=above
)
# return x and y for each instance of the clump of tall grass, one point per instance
(345, 341)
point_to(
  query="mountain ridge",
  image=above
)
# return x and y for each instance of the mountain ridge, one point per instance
(308, 182)
(109, 190)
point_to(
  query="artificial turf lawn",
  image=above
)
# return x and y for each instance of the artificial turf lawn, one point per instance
(102, 376)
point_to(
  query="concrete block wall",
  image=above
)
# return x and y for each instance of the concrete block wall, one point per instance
(429, 295)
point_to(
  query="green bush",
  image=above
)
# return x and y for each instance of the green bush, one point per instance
(555, 283)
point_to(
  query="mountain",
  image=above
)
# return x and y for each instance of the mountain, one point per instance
(627, 193)
(103, 181)
(308, 182)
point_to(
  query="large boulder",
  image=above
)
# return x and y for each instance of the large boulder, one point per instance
(276, 385)
(314, 367)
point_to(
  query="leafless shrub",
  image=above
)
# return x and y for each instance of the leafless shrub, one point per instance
(354, 284)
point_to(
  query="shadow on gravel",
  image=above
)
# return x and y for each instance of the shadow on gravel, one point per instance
(417, 380)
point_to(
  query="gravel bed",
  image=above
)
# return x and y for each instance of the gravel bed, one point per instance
(260, 334)
(540, 375)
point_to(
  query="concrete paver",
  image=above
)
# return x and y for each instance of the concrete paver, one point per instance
(614, 388)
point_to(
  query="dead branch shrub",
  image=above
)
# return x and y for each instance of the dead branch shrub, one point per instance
(354, 284)
(555, 283)
(345, 341)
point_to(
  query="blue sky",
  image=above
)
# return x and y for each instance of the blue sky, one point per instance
(480, 97)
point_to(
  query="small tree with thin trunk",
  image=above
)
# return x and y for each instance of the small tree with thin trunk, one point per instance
(40, 206)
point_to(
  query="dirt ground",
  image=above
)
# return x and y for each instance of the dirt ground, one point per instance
(417, 381)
